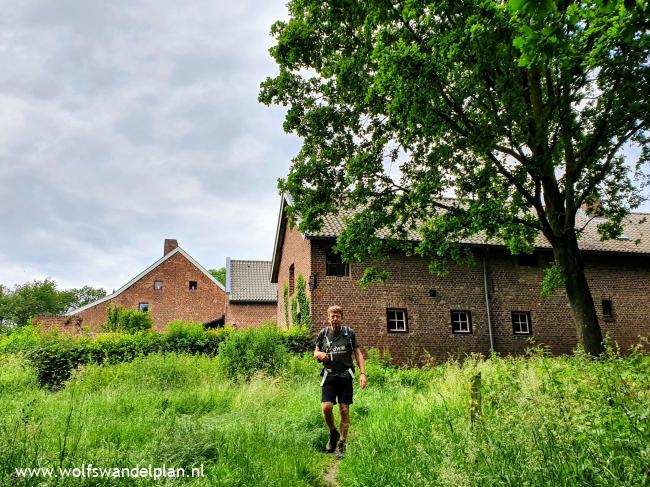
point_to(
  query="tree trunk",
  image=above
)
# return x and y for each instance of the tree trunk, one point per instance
(568, 256)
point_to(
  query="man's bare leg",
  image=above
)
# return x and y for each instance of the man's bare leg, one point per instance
(328, 414)
(344, 409)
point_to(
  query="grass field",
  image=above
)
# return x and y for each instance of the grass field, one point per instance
(545, 421)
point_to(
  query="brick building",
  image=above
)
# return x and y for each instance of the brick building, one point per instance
(175, 287)
(252, 297)
(415, 312)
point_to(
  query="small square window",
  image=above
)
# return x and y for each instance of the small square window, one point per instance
(157, 285)
(143, 307)
(193, 285)
(521, 323)
(461, 322)
(335, 265)
(397, 320)
(526, 260)
(608, 310)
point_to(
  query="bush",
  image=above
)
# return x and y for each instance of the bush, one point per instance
(299, 339)
(20, 338)
(127, 320)
(250, 350)
(189, 337)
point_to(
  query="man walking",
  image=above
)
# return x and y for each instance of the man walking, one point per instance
(336, 346)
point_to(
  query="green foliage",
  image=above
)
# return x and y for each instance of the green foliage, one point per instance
(285, 297)
(566, 421)
(219, 274)
(33, 298)
(19, 338)
(298, 339)
(553, 279)
(189, 337)
(252, 350)
(302, 302)
(84, 295)
(126, 320)
(520, 109)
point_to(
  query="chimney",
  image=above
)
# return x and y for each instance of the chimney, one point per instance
(170, 244)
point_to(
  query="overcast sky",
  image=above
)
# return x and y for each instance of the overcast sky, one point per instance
(124, 123)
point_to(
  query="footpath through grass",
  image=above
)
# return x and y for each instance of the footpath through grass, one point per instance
(546, 421)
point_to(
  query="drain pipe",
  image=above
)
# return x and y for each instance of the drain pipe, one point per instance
(487, 303)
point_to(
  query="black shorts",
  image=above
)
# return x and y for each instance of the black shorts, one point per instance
(337, 388)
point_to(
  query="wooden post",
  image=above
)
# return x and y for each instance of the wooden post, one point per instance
(475, 398)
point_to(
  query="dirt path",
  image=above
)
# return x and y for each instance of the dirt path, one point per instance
(329, 480)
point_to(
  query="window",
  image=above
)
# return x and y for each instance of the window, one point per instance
(525, 260)
(193, 285)
(396, 320)
(143, 307)
(335, 265)
(608, 310)
(521, 323)
(292, 279)
(157, 285)
(461, 322)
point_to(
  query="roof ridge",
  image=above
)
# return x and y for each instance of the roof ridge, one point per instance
(250, 260)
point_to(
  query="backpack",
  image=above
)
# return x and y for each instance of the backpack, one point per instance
(346, 332)
(325, 371)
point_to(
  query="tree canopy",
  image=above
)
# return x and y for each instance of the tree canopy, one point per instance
(522, 110)
(219, 274)
(24, 301)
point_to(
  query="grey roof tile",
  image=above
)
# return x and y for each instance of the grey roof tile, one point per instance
(250, 280)
(333, 224)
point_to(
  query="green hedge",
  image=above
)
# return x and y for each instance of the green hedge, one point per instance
(55, 356)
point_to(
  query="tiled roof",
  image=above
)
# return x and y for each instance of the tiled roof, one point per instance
(250, 280)
(634, 229)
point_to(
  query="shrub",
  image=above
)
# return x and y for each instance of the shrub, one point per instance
(20, 338)
(298, 339)
(190, 337)
(250, 350)
(127, 320)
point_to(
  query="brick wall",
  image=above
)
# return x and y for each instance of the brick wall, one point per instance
(244, 315)
(624, 280)
(175, 301)
(296, 251)
(66, 324)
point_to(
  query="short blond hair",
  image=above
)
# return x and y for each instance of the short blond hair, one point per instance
(335, 309)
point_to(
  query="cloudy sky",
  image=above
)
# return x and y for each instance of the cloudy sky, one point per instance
(123, 123)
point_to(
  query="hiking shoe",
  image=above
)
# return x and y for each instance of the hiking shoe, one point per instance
(340, 450)
(331, 443)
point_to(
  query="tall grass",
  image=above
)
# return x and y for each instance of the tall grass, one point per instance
(568, 421)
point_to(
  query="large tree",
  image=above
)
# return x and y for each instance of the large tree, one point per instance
(522, 110)
(24, 301)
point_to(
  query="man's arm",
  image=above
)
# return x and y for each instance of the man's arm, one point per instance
(363, 380)
(318, 355)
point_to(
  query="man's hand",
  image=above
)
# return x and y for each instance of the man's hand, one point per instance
(320, 356)
(363, 381)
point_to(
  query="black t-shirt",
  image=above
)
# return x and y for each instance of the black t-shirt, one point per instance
(339, 347)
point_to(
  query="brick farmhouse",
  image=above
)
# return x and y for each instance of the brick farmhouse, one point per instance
(252, 297)
(175, 287)
(415, 312)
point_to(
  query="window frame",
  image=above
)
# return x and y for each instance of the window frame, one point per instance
(336, 261)
(405, 320)
(610, 316)
(145, 303)
(157, 288)
(529, 322)
(469, 322)
(526, 260)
